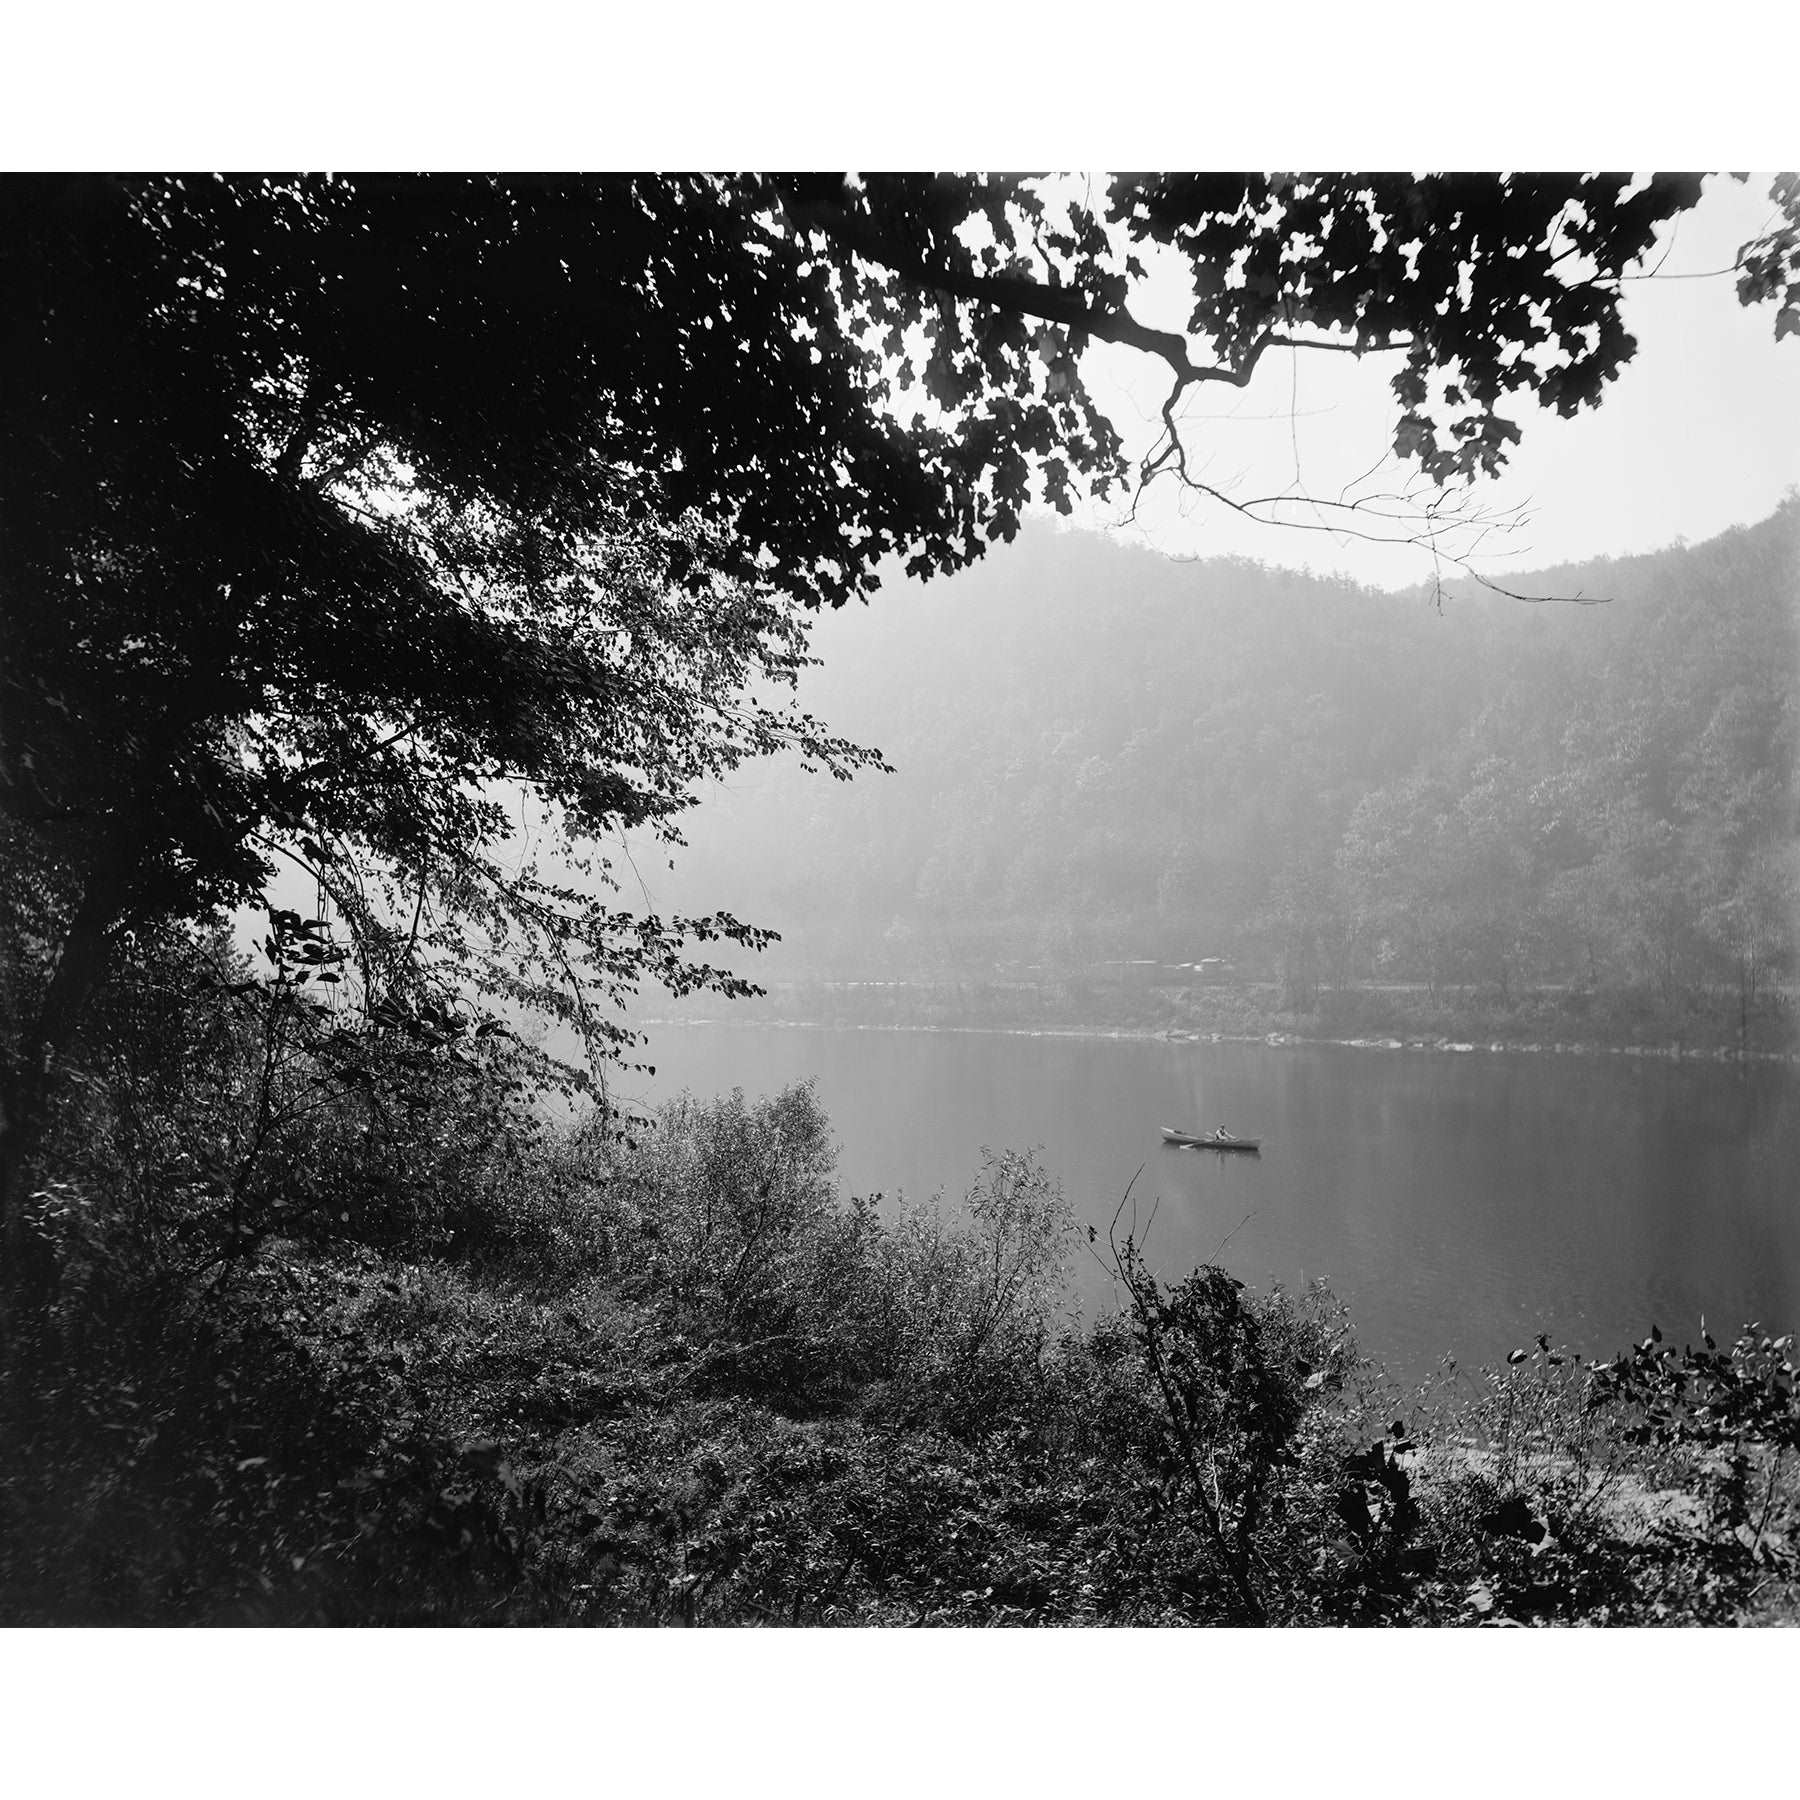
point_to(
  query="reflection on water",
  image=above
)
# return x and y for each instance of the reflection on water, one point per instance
(1459, 1204)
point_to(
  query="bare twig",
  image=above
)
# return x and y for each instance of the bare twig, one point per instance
(1226, 1239)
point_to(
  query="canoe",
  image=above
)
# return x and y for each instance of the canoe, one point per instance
(1209, 1140)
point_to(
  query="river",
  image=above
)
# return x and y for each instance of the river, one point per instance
(1459, 1204)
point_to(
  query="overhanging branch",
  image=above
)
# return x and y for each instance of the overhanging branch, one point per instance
(1007, 293)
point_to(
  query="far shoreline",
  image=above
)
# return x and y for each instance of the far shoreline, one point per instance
(1724, 1055)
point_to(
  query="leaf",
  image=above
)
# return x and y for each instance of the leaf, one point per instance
(1515, 1356)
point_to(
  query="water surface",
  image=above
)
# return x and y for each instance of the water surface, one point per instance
(1459, 1204)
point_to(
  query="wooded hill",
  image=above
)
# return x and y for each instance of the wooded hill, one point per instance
(1105, 755)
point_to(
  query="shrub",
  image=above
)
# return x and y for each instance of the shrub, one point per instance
(1732, 1419)
(725, 1217)
(959, 1313)
(1235, 1377)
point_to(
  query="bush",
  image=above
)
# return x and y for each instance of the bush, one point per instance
(960, 1313)
(1234, 1376)
(725, 1217)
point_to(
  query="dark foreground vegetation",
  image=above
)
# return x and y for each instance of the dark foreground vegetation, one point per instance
(324, 1325)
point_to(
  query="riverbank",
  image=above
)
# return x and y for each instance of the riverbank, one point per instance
(690, 1382)
(1396, 1018)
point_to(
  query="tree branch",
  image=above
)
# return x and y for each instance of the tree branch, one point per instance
(1011, 293)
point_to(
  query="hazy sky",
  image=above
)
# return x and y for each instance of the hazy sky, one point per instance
(1701, 431)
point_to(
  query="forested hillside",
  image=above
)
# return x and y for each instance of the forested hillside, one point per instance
(1103, 755)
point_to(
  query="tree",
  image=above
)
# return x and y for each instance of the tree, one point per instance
(336, 513)
(384, 525)
(1492, 288)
